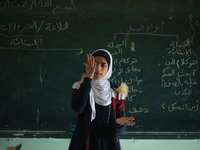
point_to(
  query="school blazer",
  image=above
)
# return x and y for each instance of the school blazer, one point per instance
(80, 139)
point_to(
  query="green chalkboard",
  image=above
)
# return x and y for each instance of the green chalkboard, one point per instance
(155, 47)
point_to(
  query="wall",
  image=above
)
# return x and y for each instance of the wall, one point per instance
(62, 144)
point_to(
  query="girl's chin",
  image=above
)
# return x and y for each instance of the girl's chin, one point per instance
(97, 77)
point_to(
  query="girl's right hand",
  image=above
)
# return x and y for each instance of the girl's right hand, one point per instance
(90, 66)
(126, 121)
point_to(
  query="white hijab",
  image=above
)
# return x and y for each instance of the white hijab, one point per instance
(101, 92)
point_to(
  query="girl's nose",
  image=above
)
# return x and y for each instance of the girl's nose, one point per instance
(98, 67)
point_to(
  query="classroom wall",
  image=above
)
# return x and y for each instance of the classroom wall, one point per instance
(62, 144)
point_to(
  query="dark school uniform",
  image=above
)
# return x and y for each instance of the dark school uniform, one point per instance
(101, 133)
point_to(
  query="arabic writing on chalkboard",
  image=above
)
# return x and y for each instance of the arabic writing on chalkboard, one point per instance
(180, 72)
(31, 32)
(43, 4)
(127, 66)
(194, 107)
(146, 29)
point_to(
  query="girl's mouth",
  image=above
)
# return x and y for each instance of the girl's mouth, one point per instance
(97, 74)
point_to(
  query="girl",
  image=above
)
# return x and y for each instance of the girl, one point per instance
(100, 106)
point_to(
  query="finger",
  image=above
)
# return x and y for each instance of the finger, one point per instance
(85, 65)
(130, 118)
(91, 60)
(131, 123)
(94, 63)
(88, 58)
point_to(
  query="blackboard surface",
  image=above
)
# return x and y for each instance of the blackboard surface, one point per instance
(156, 50)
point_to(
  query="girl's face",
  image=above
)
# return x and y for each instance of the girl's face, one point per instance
(101, 67)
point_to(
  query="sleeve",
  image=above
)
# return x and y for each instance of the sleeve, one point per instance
(80, 96)
(120, 112)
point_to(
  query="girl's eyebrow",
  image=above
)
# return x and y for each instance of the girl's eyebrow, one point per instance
(101, 62)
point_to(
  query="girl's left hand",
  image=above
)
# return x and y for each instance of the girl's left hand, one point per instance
(125, 121)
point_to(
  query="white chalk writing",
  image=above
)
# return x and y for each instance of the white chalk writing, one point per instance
(56, 8)
(127, 66)
(179, 71)
(35, 26)
(194, 107)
